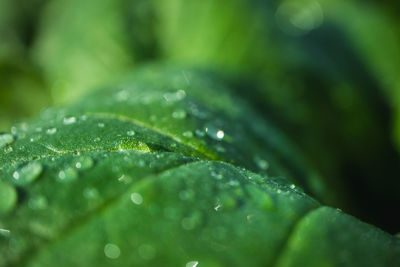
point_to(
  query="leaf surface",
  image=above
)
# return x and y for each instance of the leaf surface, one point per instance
(167, 168)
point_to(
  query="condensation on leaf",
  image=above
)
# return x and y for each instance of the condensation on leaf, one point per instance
(6, 139)
(27, 173)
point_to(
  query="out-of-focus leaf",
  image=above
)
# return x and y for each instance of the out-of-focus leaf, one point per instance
(22, 89)
(81, 44)
(150, 172)
(23, 92)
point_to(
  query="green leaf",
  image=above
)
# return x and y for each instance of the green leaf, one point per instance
(23, 92)
(152, 172)
(81, 45)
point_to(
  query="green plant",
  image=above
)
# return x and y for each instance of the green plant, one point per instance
(183, 173)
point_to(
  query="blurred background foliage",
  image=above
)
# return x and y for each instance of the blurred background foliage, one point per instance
(325, 72)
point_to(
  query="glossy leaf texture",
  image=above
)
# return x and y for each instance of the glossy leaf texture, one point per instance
(153, 171)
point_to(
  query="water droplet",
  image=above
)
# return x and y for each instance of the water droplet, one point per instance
(8, 149)
(14, 130)
(35, 138)
(130, 133)
(97, 139)
(5, 232)
(297, 18)
(188, 134)
(28, 173)
(217, 175)
(51, 131)
(217, 207)
(179, 114)
(122, 95)
(8, 198)
(112, 251)
(38, 203)
(101, 125)
(261, 163)
(84, 163)
(292, 186)
(192, 264)
(175, 96)
(146, 251)
(136, 198)
(67, 175)
(214, 132)
(6, 139)
(234, 183)
(69, 120)
(126, 179)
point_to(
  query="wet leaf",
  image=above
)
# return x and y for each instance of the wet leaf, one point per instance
(113, 181)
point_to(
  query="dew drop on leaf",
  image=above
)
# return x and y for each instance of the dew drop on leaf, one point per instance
(112, 251)
(67, 175)
(5, 232)
(136, 198)
(217, 207)
(8, 149)
(69, 120)
(216, 175)
(215, 132)
(28, 173)
(51, 131)
(8, 198)
(179, 114)
(122, 95)
(188, 134)
(101, 125)
(6, 139)
(130, 133)
(175, 96)
(233, 183)
(192, 264)
(84, 163)
(262, 164)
